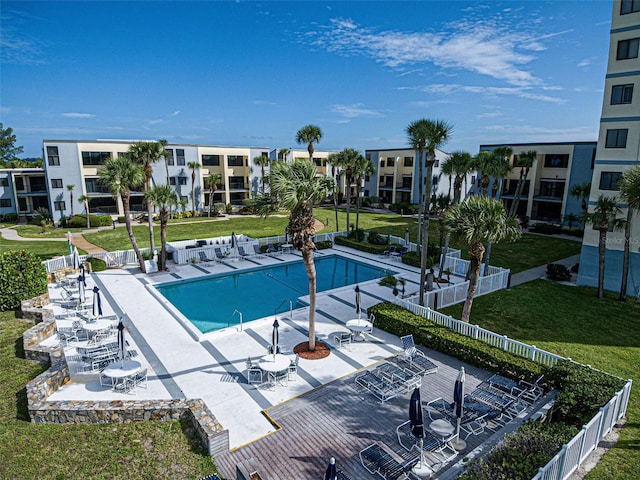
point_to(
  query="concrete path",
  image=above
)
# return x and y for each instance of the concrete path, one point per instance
(540, 272)
(79, 240)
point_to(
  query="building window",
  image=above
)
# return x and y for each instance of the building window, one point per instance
(621, 94)
(172, 181)
(408, 161)
(236, 183)
(211, 160)
(629, 6)
(381, 163)
(616, 138)
(628, 49)
(19, 184)
(56, 183)
(95, 158)
(235, 160)
(182, 180)
(5, 202)
(59, 206)
(4, 182)
(556, 160)
(609, 180)
(180, 156)
(551, 189)
(391, 162)
(168, 155)
(53, 158)
(92, 185)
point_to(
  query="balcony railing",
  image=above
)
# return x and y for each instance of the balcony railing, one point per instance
(238, 186)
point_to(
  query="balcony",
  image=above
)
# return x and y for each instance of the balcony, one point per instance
(238, 186)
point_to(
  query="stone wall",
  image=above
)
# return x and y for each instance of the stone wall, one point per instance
(213, 436)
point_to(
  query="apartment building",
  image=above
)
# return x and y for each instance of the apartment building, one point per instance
(23, 191)
(78, 162)
(618, 149)
(546, 193)
(396, 174)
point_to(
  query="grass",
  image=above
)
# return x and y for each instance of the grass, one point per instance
(34, 231)
(44, 250)
(573, 322)
(134, 450)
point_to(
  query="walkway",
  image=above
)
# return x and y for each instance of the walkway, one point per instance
(540, 272)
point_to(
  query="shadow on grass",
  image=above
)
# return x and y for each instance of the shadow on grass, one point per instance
(195, 444)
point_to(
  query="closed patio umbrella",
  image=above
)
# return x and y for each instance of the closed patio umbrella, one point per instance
(122, 346)
(358, 307)
(97, 303)
(331, 473)
(406, 238)
(458, 401)
(275, 337)
(76, 259)
(81, 284)
(416, 421)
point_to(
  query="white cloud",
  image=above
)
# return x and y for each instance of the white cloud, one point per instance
(16, 47)
(451, 88)
(78, 115)
(263, 102)
(176, 113)
(584, 63)
(489, 115)
(355, 110)
(155, 122)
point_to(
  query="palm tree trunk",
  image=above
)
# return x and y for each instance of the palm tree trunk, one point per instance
(625, 256)
(602, 245)
(310, 267)
(127, 222)
(487, 256)
(210, 200)
(163, 240)
(357, 204)
(420, 207)
(262, 172)
(193, 194)
(86, 207)
(475, 252)
(348, 202)
(425, 236)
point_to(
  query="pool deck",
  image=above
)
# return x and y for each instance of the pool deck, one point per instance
(212, 367)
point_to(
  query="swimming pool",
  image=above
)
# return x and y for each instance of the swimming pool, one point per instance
(209, 303)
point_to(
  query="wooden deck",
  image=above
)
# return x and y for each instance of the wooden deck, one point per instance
(339, 420)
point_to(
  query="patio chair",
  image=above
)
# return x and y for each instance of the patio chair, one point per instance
(258, 253)
(204, 258)
(399, 378)
(279, 378)
(137, 380)
(377, 460)
(342, 339)
(430, 442)
(254, 373)
(271, 249)
(442, 408)
(219, 255)
(377, 386)
(415, 356)
(242, 253)
(388, 252)
(293, 368)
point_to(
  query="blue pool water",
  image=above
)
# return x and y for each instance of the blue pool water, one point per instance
(209, 302)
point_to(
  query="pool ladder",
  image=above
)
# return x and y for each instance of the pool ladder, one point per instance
(240, 314)
(275, 310)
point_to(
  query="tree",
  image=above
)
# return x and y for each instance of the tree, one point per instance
(70, 189)
(297, 187)
(335, 174)
(193, 166)
(363, 166)
(309, 134)
(581, 192)
(85, 201)
(426, 135)
(499, 169)
(603, 217)
(525, 162)
(120, 175)
(212, 182)
(571, 218)
(347, 160)
(630, 193)
(476, 220)
(146, 154)
(163, 197)
(262, 161)
(482, 163)
(284, 153)
(8, 149)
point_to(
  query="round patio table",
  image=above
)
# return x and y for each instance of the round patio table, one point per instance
(274, 363)
(97, 325)
(442, 427)
(357, 326)
(118, 371)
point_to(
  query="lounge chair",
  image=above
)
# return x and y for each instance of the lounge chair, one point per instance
(377, 460)
(204, 258)
(242, 253)
(342, 339)
(397, 377)
(415, 357)
(258, 253)
(271, 249)
(219, 255)
(389, 251)
(377, 386)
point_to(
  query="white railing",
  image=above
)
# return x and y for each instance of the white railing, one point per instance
(579, 447)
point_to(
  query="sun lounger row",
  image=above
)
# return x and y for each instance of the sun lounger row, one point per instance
(377, 460)
(527, 391)
(414, 357)
(377, 386)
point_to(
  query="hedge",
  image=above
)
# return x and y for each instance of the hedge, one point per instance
(399, 321)
(80, 221)
(363, 247)
(22, 276)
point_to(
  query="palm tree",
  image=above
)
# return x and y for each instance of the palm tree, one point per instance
(297, 187)
(212, 182)
(164, 197)
(335, 174)
(426, 135)
(70, 188)
(85, 201)
(362, 167)
(284, 153)
(525, 162)
(603, 217)
(262, 161)
(571, 218)
(581, 192)
(499, 170)
(120, 175)
(347, 160)
(630, 193)
(482, 163)
(193, 166)
(146, 154)
(309, 134)
(476, 220)
(183, 202)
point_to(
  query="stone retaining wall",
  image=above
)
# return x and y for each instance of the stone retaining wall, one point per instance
(213, 436)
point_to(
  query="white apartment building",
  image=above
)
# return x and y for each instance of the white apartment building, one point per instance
(618, 148)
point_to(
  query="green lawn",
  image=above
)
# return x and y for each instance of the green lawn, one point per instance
(34, 231)
(135, 450)
(572, 322)
(44, 250)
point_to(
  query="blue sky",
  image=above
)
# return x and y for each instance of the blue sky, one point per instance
(253, 73)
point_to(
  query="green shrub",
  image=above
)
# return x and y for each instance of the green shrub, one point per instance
(121, 220)
(357, 234)
(364, 247)
(323, 245)
(219, 208)
(558, 272)
(41, 215)
(22, 276)
(376, 239)
(10, 217)
(405, 208)
(582, 391)
(521, 453)
(399, 321)
(413, 259)
(229, 209)
(80, 221)
(97, 264)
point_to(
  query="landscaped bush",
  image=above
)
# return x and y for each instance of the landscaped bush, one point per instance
(364, 247)
(413, 259)
(80, 221)
(521, 453)
(376, 239)
(229, 209)
(324, 244)
(370, 201)
(42, 215)
(10, 217)
(357, 234)
(22, 276)
(558, 272)
(399, 321)
(97, 264)
(248, 206)
(582, 391)
(219, 208)
(405, 208)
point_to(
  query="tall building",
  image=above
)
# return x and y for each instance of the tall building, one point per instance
(396, 174)
(78, 162)
(558, 166)
(618, 148)
(23, 191)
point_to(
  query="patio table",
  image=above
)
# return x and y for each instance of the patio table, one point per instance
(97, 325)
(274, 363)
(119, 371)
(357, 327)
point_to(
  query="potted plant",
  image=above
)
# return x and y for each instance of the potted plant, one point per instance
(393, 282)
